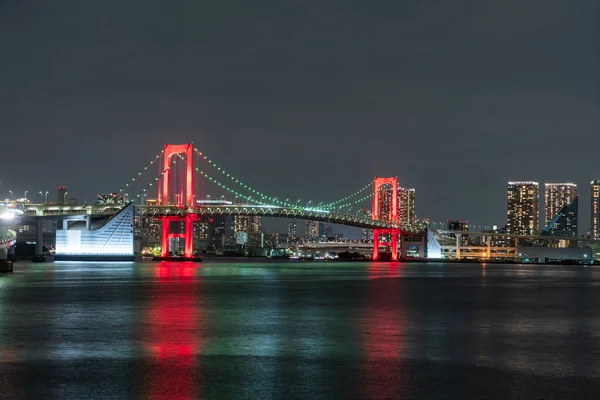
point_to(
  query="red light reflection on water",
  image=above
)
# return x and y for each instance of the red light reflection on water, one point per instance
(384, 325)
(173, 333)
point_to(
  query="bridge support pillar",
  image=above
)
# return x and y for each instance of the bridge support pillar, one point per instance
(458, 236)
(375, 244)
(39, 233)
(188, 236)
(394, 235)
(164, 233)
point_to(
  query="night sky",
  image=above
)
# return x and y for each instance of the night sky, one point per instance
(306, 99)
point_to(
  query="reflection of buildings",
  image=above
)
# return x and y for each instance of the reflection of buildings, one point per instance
(522, 203)
(556, 196)
(595, 217)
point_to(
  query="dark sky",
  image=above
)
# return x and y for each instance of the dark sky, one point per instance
(306, 99)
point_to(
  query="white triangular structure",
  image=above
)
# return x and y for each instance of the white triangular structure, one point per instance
(113, 241)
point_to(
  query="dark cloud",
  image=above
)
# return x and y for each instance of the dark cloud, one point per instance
(306, 99)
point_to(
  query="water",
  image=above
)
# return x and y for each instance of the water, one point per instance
(299, 331)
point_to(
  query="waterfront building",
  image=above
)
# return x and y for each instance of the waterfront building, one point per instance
(595, 212)
(557, 196)
(522, 204)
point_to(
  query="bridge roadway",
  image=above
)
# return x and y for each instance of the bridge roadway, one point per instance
(59, 211)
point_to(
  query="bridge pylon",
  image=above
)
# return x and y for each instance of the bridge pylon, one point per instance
(385, 207)
(188, 201)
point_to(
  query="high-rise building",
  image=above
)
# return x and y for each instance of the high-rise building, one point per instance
(385, 203)
(367, 234)
(61, 195)
(312, 231)
(406, 206)
(522, 208)
(247, 230)
(595, 219)
(557, 196)
(292, 233)
(246, 223)
(564, 223)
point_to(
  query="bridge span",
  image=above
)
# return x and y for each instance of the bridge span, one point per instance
(59, 212)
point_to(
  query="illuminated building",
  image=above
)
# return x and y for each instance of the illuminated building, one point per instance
(292, 237)
(219, 231)
(406, 206)
(367, 234)
(595, 217)
(385, 203)
(61, 195)
(110, 198)
(564, 223)
(522, 208)
(247, 230)
(113, 241)
(557, 196)
(246, 223)
(312, 231)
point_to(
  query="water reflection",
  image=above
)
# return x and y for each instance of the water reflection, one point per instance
(172, 333)
(384, 329)
(299, 330)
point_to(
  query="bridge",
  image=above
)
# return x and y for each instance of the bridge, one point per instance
(176, 188)
(41, 211)
(177, 191)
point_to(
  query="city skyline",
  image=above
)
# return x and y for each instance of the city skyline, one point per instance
(275, 225)
(281, 112)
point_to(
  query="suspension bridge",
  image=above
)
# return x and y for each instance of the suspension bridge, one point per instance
(183, 170)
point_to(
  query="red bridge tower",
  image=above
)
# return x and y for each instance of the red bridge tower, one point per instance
(186, 201)
(391, 217)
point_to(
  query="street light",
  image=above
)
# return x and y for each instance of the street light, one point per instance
(41, 197)
(26, 195)
(65, 199)
(47, 197)
(10, 191)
